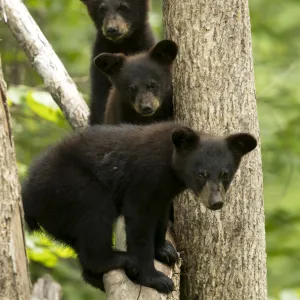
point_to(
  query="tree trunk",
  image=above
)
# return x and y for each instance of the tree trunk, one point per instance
(223, 252)
(14, 277)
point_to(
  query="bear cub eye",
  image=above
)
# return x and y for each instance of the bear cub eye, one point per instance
(132, 89)
(102, 7)
(224, 175)
(202, 175)
(123, 6)
(152, 85)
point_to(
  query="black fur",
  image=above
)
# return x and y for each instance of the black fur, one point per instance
(142, 85)
(137, 38)
(140, 82)
(78, 188)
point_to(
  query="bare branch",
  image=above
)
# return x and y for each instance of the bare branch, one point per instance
(46, 289)
(45, 62)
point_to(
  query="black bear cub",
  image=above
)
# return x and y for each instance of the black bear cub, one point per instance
(142, 85)
(78, 188)
(122, 27)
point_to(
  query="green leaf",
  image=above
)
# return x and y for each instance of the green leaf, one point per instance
(37, 102)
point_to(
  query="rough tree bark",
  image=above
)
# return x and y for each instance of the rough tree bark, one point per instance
(65, 93)
(223, 252)
(46, 289)
(14, 279)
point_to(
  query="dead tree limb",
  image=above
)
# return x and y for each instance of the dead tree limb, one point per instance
(45, 61)
(46, 289)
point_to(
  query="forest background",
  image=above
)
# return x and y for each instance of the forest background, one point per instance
(37, 123)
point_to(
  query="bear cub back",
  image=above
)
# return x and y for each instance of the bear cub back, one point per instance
(142, 85)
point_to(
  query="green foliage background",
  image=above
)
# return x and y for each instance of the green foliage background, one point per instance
(37, 123)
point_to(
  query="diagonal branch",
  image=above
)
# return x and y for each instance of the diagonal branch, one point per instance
(45, 61)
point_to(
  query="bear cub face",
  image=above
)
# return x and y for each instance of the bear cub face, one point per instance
(117, 19)
(142, 80)
(206, 164)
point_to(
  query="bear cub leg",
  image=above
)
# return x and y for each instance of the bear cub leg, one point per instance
(119, 260)
(95, 253)
(140, 231)
(164, 250)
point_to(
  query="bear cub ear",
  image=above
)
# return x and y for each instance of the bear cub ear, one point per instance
(185, 139)
(241, 143)
(109, 63)
(164, 52)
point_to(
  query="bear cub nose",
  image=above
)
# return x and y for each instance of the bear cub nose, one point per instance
(113, 31)
(146, 110)
(216, 205)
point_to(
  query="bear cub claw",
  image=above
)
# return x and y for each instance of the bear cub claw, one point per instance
(132, 268)
(167, 254)
(157, 281)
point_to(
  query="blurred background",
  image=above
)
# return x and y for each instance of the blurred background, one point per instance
(37, 123)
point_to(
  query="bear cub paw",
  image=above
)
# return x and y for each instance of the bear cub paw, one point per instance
(167, 254)
(158, 281)
(132, 268)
